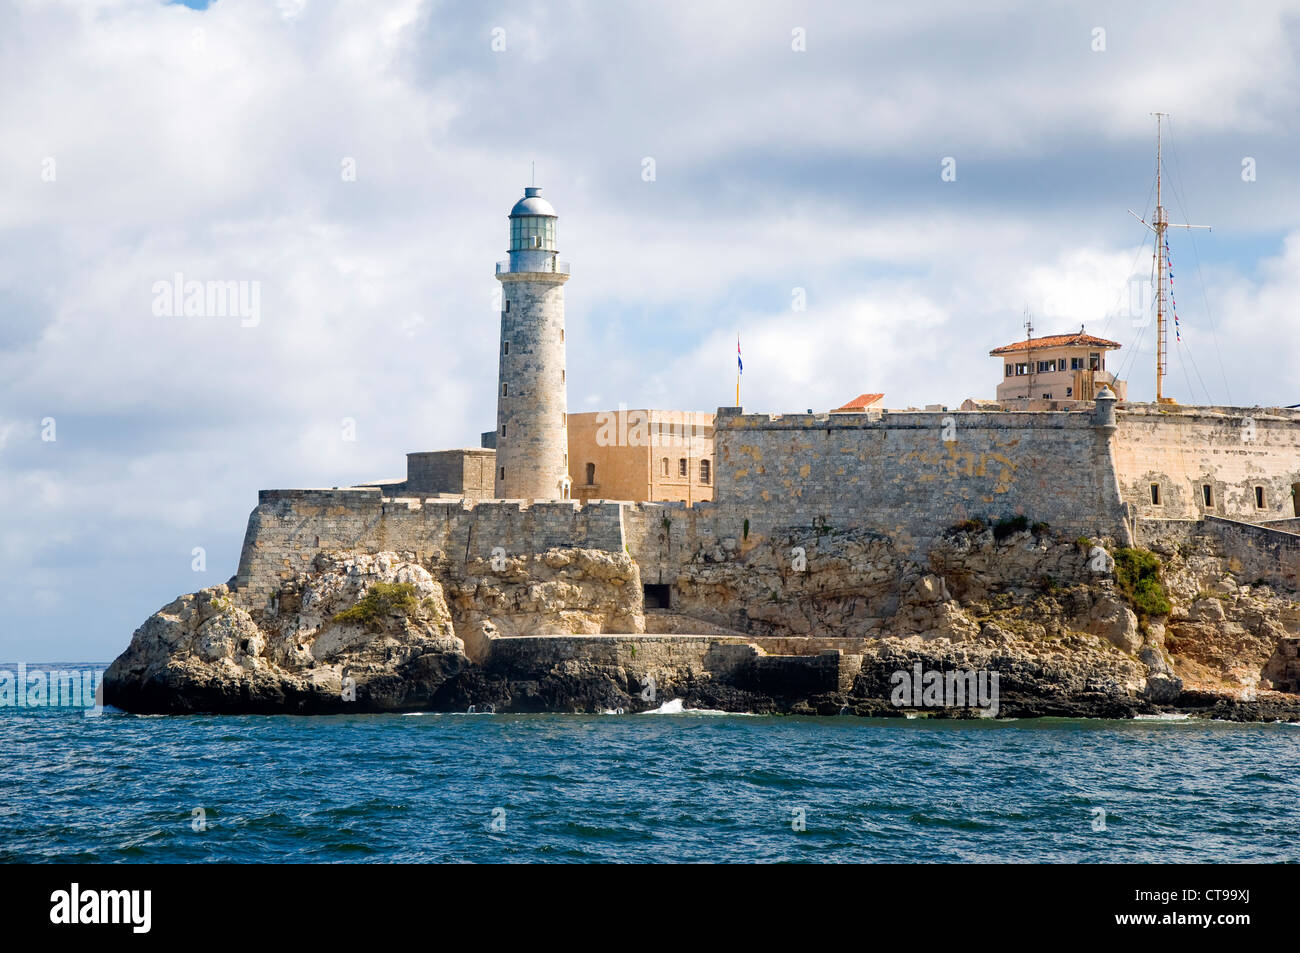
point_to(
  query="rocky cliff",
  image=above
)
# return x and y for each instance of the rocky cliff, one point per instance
(814, 621)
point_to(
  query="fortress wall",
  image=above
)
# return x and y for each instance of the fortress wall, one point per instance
(1253, 551)
(1231, 449)
(897, 475)
(1256, 552)
(289, 527)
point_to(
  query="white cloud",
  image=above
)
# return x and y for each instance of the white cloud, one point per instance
(218, 154)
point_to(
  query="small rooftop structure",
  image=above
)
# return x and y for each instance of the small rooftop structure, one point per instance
(1056, 371)
(859, 404)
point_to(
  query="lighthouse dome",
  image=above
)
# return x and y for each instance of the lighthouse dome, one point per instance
(533, 204)
(532, 224)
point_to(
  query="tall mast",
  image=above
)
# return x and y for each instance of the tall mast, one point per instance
(1161, 223)
(1161, 262)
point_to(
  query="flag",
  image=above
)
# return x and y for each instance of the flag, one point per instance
(740, 365)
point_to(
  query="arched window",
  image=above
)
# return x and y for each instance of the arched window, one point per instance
(591, 474)
(681, 467)
(704, 471)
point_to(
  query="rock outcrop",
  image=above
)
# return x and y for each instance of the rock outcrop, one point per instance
(816, 621)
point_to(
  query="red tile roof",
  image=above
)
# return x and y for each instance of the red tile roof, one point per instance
(1078, 339)
(859, 403)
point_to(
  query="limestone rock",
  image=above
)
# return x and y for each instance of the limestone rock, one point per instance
(1116, 623)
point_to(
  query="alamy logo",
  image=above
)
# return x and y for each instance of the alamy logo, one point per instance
(633, 428)
(103, 906)
(920, 688)
(45, 687)
(208, 299)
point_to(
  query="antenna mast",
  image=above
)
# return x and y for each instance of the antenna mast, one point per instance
(1029, 353)
(1161, 262)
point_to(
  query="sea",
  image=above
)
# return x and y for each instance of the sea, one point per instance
(673, 786)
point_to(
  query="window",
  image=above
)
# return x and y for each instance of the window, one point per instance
(1207, 494)
(591, 474)
(1022, 370)
(664, 465)
(1069, 392)
(503, 473)
(532, 231)
(1259, 498)
(704, 471)
(503, 430)
(1047, 397)
(1076, 363)
(1155, 494)
(1046, 367)
(503, 390)
(1094, 362)
(1011, 369)
(507, 307)
(505, 347)
(681, 467)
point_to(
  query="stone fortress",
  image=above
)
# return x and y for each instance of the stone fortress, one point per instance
(817, 544)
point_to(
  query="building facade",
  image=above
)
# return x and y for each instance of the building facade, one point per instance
(642, 455)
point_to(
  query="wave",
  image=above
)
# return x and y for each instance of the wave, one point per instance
(677, 707)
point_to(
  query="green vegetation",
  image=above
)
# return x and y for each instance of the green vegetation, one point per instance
(1040, 529)
(1084, 543)
(1010, 526)
(746, 536)
(382, 600)
(1137, 573)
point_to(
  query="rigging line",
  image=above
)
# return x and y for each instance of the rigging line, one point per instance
(1127, 278)
(1184, 349)
(1187, 377)
(1146, 212)
(1127, 363)
(1192, 357)
(1200, 279)
(1130, 359)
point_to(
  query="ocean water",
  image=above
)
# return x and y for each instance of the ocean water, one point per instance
(672, 787)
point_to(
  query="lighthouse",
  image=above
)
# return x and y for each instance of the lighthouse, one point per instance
(532, 458)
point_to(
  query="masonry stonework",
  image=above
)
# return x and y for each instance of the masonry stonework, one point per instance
(1189, 462)
(532, 407)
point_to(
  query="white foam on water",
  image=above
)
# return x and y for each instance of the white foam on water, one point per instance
(677, 707)
(1164, 716)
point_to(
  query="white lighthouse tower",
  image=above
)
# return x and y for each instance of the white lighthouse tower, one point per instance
(532, 458)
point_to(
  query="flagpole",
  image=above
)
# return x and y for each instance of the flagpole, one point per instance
(738, 366)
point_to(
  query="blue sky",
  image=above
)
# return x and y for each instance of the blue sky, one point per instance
(211, 142)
